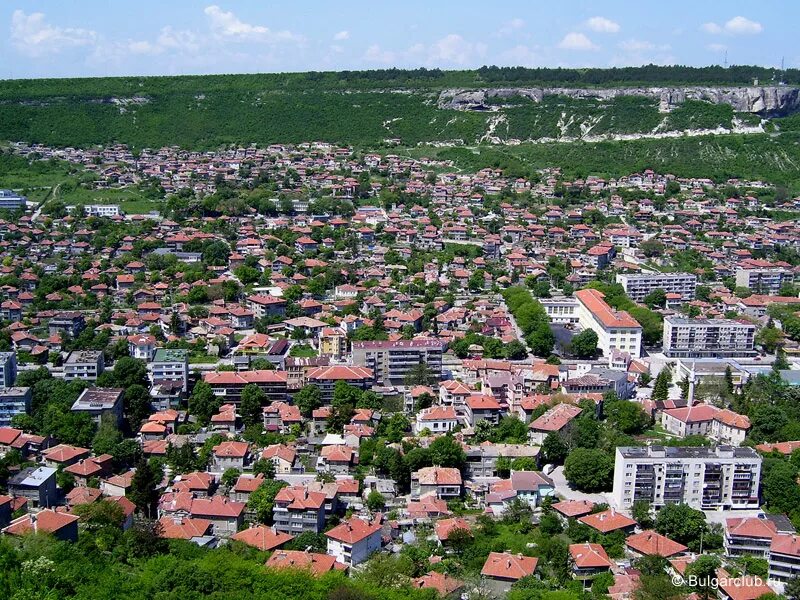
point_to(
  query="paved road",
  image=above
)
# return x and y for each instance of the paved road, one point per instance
(517, 330)
(563, 489)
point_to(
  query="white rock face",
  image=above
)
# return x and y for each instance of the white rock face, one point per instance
(764, 100)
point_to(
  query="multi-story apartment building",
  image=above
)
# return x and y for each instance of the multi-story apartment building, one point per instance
(297, 510)
(84, 364)
(763, 276)
(639, 285)
(708, 338)
(10, 200)
(482, 459)
(101, 404)
(8, 369)
(616, 330)
(171, 365)
(704, 478)
(13, 401)
(752, 536)
(784, 557)
(229, 385)
(325, 378)
(391, 361)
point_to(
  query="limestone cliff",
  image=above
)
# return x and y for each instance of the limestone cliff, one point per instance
(769, 101)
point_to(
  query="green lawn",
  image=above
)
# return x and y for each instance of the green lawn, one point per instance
(202, 359)
(130, 200)
(302, 351)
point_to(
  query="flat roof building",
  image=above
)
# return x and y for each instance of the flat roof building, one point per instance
(638, 286)
(101, 403)
(391, 361)
(8, 369)
(13, 401)
(171, 365)
(722, 477)
(84, 364)
(708, 338)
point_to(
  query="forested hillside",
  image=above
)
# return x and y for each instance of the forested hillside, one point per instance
(358, 108)
(413, 111)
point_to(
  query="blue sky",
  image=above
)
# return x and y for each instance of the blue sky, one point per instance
(61, 38)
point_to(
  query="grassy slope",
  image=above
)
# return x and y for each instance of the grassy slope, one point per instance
(774, 158)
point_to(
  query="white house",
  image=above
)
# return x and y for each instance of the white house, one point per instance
(353, 541)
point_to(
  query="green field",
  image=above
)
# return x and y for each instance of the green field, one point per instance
(130, 200)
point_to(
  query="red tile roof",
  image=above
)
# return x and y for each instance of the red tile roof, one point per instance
(608, 520)
(296, 559)
(506, 566)
(353, 530)
(262, 537)
(651, 543)
(589, 556)
(593, 301)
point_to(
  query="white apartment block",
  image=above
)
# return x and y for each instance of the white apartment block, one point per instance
(84, 364)
(616, 330)
(638, 286)
(391, 361)
(763, 279)
(708, 338)
(722, 477)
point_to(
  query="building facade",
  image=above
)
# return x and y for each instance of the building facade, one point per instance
(171, 365)
(8, 369)
(708, 338)
(638, 286)
(84, 364)
(704, 478)
(13, 401)
(391, 361)
(616, 330)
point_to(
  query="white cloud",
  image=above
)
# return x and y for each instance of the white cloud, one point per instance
(741, 25)
(717, 47)
(169, 39)
(602, 25)
(576, 41)
(32, 36)
(521, 55)
(711, 28)
(511, 26)
(636, 45)
(341, 36)
(453, 49)
(226, 25)
(375, 54)
(735, 26)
